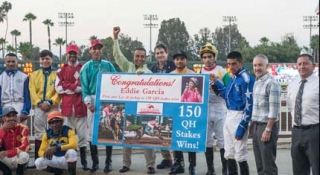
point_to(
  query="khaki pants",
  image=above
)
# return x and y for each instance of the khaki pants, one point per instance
(166, 155)
(149, 155)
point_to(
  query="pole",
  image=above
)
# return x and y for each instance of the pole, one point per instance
(229, 35)
(229, 19)
(66, 31)
(310, 32)
(310, 26)
(150, 26)
(150, 37)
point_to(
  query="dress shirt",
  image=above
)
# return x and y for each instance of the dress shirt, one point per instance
(266, 99)
(310, 99)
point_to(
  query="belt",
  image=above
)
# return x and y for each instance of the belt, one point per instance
(259, 123)
(306, 126)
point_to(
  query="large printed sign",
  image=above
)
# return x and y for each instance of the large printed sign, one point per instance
(158, 111)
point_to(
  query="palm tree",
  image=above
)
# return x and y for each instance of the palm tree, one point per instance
(10, 48)
(26, 50)
(30, 17)
(93, 37)
(59, 42)
(49, 24)
(2, 43)
(4, 9)
(15, 33)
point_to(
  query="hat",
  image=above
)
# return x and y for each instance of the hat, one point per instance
(179, 53)
(306, 52)
(54, 115)
(209, 48)
(73, 47)
(96, 42)
(7, 110)
(195, 80)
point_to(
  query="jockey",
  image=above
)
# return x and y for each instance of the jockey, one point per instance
(150, 126)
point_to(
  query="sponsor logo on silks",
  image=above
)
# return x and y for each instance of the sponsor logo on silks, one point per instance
(148, 108)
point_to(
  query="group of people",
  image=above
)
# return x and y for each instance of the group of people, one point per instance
(239, 105)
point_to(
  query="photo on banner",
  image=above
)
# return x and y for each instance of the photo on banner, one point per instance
(152, 111)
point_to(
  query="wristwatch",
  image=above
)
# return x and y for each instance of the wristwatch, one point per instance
(268, 129)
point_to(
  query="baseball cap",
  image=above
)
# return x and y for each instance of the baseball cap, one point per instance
(179, 53)
(96, 42)
(7, 110)
(209, 48)
(54, 115)
(73, 47)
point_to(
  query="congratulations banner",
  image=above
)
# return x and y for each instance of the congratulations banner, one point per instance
(158, 111)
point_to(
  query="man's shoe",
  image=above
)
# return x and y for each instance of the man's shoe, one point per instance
(211, 173)
(107, 167)
(165, 164)
(176, 168)
(94, 168)
(151, 170)
(192, 170)
(124, 169)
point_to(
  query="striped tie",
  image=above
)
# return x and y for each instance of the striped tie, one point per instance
(298, 108)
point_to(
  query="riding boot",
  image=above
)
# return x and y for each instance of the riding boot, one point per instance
(5, 169)
(72, 166)
(94, 157)
(192, 163)
(209, 159)
(108, 166)
(244, 168)
(21, 168)
(83, 158)
(232, 167)
(178, 166)
(55, 171)
(37, 144)
(224, 162)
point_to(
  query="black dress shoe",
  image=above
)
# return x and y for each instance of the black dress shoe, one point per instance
(124, 169)
(151, 170)
(107, 168)
(176, 168)
(94, 168)
(85, 168)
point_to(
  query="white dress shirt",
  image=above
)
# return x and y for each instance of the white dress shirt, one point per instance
(310, 99)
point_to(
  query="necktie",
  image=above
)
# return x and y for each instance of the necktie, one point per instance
(298, 104)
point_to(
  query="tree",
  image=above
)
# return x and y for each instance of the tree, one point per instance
(203, 37)
(49, 24)
(28, 51)
(127, 46)
(30, 17)
(15, 33)
(4, 9)
(173, 33)
(93, 37)
(221, 40)
(59, 42)
(10, 48)
(2, 43)
(315, 42)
